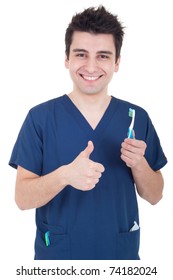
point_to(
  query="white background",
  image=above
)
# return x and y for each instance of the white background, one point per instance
(32, 71)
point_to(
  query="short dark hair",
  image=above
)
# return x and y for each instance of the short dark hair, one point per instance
(96, 21)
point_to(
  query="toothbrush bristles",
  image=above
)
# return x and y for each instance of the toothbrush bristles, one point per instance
(130, 112)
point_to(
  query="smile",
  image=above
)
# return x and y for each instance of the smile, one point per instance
(90, 78)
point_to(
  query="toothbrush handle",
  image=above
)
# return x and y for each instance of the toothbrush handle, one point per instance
(131, 133)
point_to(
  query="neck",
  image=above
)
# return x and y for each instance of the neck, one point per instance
(90, 102)
(92, 107)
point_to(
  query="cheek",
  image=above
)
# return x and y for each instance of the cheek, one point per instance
(110, 71)
(72, 65)
(110, 68)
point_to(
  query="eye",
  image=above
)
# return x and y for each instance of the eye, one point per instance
(81, 55)
(103, 56)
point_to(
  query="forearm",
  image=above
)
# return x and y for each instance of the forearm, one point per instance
(33, 191)
(149, 183)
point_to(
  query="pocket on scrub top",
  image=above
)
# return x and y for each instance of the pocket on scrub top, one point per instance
(127, 245)
(51, 243)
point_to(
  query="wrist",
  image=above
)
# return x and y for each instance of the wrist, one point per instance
(63, 174)
(140, 166)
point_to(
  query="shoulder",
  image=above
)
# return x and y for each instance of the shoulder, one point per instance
(44, 111)
(47, 105)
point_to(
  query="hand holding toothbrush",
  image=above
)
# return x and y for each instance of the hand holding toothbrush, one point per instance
(132, 150)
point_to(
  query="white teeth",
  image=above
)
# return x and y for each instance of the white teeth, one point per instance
(90, 78)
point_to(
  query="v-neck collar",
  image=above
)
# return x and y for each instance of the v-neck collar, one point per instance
(83, 123)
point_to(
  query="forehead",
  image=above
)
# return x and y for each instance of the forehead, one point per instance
(93, 42)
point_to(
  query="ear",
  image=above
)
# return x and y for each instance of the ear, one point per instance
(66, 62)
(117, 64)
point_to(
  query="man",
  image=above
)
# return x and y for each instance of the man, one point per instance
(73, 164)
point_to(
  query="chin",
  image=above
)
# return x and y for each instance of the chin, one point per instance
(91, 91)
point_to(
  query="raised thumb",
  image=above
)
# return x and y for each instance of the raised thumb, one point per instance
(88, 150)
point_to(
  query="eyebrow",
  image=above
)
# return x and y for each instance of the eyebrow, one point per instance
(85, 51)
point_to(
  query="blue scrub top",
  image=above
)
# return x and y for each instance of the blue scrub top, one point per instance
(93, 224)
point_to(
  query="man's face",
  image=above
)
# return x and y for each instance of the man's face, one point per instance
(91, 62)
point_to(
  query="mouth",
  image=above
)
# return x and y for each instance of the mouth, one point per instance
(90, 78)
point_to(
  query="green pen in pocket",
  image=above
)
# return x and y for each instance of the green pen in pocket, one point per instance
(47, 239)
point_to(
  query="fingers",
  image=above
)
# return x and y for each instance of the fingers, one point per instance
(98, 167)
(134, 146)
(132, 151)
(90, 184)
(93, 175)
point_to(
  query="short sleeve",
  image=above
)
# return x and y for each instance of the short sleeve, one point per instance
(154, 152)
(27, 151)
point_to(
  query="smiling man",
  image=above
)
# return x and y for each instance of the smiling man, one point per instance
(75, 164)
(92, 66)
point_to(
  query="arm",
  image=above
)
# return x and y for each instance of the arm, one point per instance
(33, 191)
(149, 183)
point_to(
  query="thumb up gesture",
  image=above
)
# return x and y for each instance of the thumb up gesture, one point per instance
(83, 173)
(88, 150)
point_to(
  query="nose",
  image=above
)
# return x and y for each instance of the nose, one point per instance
(91, 65)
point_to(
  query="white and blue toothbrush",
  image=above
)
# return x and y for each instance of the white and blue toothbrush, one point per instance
(130, 133)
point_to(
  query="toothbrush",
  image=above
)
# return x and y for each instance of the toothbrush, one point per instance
(130, 133)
